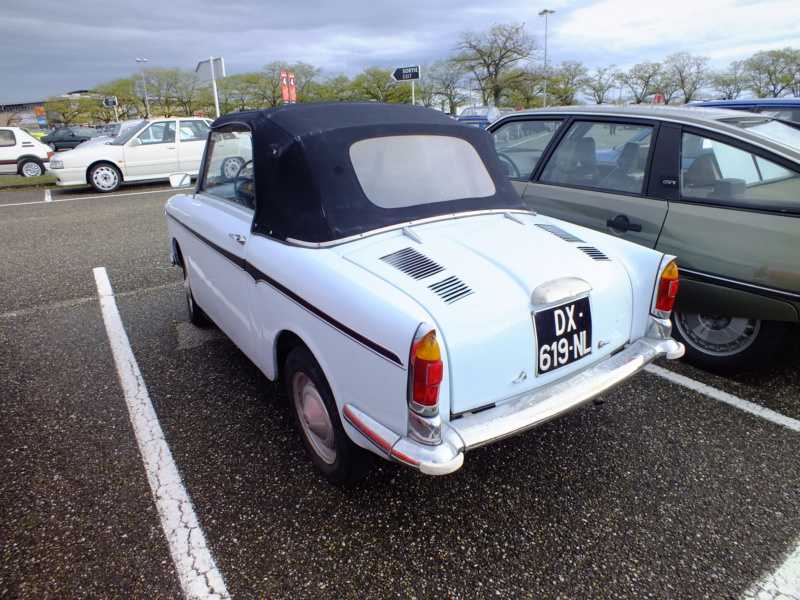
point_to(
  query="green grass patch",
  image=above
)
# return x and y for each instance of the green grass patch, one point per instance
(17, 181)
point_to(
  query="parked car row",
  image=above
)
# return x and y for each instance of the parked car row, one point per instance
(719, 189)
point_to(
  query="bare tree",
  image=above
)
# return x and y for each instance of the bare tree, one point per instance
(492, 54)
(689, 73)
(600, 85)
(447, 78)
(565, 81)
(641, 80)
(731, 82)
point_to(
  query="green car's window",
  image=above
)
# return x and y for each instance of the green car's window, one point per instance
(721, 172)
(228, 172)
(520, 145)
(601, 155)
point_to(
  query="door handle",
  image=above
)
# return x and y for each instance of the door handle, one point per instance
(623, 225)
(237, 238)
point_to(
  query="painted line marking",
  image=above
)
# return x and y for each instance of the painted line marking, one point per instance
(783, 584)
(198, 574)
(95, 197)
(707, 390)
(47, 196)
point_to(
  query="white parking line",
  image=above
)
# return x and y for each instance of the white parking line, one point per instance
(49, 198)
(752, 408)
(198, 574)
(783, 584)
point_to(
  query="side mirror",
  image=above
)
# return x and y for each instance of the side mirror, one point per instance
(180, 180)
(135, 142)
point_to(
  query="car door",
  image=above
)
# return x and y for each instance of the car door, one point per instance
(192, 135)
(220, 219)
(598, 175)
(153, 152)
(9, 150)
(735, 224)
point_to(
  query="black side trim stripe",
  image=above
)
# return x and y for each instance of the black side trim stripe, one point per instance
(258, 275)
(740, 285)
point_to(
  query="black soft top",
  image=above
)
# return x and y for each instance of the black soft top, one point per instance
(307, 188)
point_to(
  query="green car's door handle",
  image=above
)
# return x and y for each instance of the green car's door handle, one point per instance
(619, 224)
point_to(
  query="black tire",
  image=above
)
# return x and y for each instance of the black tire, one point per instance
(105, 177)
(727, 345)
(333, 453)
(31, 168)
(197, 316)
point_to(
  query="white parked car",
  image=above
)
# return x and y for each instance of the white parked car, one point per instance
(112, 131)
(152, 151)
(376, 258)
(21, 153)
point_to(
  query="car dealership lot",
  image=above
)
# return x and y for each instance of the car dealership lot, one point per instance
(660, 491)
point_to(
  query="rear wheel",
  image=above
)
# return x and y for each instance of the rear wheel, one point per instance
(314, 409)
(197, 316)
(31, 168)
(53, 146)
(105, 177)
(725, 345)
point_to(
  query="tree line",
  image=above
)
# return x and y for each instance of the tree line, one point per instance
(499, 66)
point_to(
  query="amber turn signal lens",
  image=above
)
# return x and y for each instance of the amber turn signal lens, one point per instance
(667, 288)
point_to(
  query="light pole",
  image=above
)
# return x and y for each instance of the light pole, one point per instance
(144, 83)
(544, 14)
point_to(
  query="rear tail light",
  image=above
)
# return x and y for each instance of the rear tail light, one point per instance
(667, 288)
(426, 374)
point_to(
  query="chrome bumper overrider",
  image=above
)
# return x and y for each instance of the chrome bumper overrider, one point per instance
(515, 415)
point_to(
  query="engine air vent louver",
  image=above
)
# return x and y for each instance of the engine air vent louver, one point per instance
(567, 237)
(593, 252)
(451, 289)
(413, 263)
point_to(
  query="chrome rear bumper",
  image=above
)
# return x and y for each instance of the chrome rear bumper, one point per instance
(513, 416)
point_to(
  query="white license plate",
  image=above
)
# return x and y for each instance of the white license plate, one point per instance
(563, 335)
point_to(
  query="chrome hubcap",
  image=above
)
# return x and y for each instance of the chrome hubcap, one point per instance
(31, 170)
(314, 418)
(717, 334)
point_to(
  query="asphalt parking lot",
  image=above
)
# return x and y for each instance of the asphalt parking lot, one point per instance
(680, 485)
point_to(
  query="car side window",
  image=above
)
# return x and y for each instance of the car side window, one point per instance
(159, 133)
(228, 169)
(712, 170)
(191, 131)
(6, 137)
(603, 155)
(520, 145)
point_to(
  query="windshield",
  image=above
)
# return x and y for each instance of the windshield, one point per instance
(475, 111)
(127, 134)
(777, 131)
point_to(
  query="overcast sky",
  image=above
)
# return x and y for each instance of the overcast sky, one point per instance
(52, 47)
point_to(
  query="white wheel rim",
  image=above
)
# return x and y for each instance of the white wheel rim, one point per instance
(31, 170)
(105, 178)
(314, 417)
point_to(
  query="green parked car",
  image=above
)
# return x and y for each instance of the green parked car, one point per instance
(720, 189)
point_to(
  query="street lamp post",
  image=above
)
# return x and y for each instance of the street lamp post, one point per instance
(144, 83)
(544, 14)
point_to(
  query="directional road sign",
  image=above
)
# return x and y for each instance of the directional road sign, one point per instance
(112, 101)
(406, 73)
